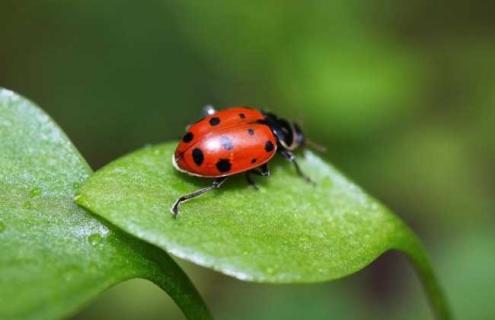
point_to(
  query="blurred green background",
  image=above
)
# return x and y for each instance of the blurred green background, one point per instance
(401, 93)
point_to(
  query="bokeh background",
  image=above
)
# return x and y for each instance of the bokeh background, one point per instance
(401, 93)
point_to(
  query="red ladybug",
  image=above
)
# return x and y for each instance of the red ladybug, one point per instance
(233, 141)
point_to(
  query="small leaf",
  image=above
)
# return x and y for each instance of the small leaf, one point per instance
(54, 256)
(289, 231)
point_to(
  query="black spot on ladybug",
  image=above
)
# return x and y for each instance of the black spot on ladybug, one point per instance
(223, 165)
(188, 137)
(198, 156)
(226, 143)
(269, 146)
(251, 131)
(214, 121)
(242, 115)
(253, 161)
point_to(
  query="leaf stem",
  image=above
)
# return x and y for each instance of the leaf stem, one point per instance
(417, 255)
(170, 277)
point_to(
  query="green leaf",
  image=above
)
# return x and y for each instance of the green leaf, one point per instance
(288, 232)
(54, 256)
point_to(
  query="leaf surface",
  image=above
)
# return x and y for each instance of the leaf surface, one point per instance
(55, 256)
(288, 231)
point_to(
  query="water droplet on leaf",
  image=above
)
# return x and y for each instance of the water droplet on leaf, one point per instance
(27, 205)
(70, 273)
(95, 239)
(36, 191)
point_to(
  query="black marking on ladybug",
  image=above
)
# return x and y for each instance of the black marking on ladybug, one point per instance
(253, 161)
(226, 143)
(251, 131)
(214, 121)
(269, 146)
(223, 165)
(242, 115)
(198, 156)
(188, 137)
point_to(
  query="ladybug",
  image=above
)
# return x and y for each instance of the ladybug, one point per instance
(233, 141)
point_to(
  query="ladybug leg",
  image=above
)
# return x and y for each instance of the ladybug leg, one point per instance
(217, 183)
(262, 170)
(250, 180)
(292, 158)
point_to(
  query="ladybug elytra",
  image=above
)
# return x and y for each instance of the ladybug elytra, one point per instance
(233, 141)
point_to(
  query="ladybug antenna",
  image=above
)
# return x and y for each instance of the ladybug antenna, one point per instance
(208, 110)
(315, 146)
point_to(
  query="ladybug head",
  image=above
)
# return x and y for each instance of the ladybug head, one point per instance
(289, 134)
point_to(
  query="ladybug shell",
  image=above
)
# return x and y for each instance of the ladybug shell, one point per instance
(225, 143)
